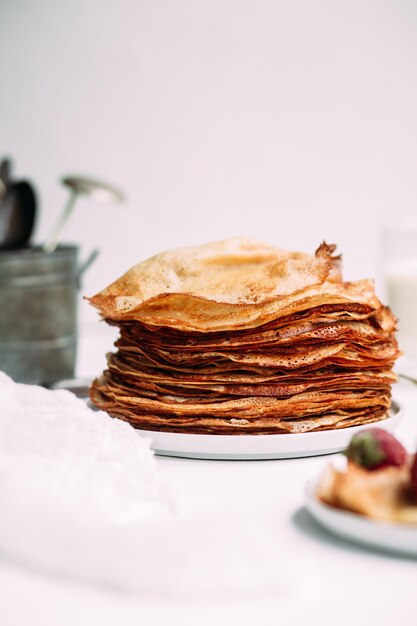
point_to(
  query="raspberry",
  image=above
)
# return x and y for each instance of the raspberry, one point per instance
(375, 448)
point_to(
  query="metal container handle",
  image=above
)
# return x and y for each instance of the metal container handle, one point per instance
(86, 264)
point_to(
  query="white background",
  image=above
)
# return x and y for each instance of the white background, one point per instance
(288, 121)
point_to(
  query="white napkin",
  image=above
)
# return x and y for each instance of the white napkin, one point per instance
(81, 496)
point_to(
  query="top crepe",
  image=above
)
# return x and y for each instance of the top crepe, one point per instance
(233, 284)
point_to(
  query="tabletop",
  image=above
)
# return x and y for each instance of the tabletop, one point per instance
(249, 550)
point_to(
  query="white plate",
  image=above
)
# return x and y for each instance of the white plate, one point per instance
(386, 536)
(256, 447)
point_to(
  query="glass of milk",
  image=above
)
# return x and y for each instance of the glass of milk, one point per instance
(399, 267)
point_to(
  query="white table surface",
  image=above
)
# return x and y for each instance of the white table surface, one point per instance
(287, 570)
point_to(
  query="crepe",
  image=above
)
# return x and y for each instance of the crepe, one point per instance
(240, 337)
(385, 494)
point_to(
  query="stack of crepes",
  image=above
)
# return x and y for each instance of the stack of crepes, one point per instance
(240, 337)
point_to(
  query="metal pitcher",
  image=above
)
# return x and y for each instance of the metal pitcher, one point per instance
(38, 313)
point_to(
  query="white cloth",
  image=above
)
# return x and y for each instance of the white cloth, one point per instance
(81, 496)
